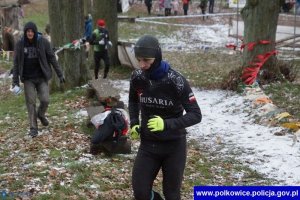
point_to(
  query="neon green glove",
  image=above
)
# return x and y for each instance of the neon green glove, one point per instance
(156, 124)
(135, 132)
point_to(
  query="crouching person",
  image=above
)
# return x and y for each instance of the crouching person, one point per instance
(111, 132)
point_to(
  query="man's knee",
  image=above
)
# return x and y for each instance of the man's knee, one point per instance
(44, 102)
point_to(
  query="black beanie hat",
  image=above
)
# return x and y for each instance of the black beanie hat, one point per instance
(147, 47)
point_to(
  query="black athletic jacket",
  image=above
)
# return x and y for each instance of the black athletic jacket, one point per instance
(168, 98)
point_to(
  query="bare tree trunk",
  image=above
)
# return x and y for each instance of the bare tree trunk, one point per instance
(75, 70)
(260, 22)
(108, 11)
(55, 10)
(67, 26)
(88, 6)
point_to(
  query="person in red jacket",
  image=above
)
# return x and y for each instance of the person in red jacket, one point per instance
(185, 4)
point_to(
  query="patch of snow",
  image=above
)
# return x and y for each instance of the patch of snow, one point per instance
(81, 113)
(215, 36)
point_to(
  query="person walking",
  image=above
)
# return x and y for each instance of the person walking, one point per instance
(33, 57)
(185, 4)
(100, 40)
(161, 94)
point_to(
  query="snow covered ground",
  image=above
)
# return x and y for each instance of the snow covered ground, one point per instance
(227, 121)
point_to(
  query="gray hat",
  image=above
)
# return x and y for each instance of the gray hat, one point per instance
(146, 47)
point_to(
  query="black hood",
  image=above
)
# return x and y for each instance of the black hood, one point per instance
(33, 27)
(156, 63)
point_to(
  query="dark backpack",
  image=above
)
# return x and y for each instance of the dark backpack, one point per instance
(111, 129)
(118, 123)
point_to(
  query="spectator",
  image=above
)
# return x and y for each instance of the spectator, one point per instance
(168, 7)
(47, 33)
(175, 6)
(203, 6)
(161, 6)
(88, 27)
(287, 6)
(185, 4)
(148, 4)
(211, 6)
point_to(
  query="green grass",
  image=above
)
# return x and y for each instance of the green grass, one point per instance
(204, 69)
(37, 12)
(13, 106)
(55, 153)
(120, 72)
(5, 64)
(286, 96)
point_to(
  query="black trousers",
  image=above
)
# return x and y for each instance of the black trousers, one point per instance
(169, 156)
(211, 6)
(98, 56)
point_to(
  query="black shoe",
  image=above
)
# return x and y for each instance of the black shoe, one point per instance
(43, 120)
(33, 132)
(105, 76)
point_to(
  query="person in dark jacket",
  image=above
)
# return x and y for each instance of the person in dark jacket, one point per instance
(88, 30)
(88, 27)
(211, 6)
(148, 4)
(161, 95)
(203, 5)
(33, 57)
(100, 40)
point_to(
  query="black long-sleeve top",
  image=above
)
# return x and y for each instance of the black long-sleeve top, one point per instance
(168, 98)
